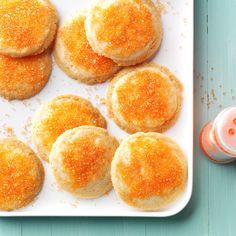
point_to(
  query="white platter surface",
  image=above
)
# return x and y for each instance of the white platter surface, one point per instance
(176, 53)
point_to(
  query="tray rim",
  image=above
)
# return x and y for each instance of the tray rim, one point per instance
(138, 214)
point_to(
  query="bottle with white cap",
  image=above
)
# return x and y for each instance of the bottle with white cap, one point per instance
(218, 137)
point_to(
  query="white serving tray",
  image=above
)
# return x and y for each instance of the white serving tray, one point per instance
(176, 53)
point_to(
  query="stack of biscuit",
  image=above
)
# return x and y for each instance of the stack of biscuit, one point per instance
(112, 40)
(94, 44)
(27, 29)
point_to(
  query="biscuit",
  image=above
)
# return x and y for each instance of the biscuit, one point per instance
(22, 78)
(144, 98)
(81, 161)
(60, 114)
(21, 174)
(27, 27)
(75, 56)
(149, 171)
(128, 32)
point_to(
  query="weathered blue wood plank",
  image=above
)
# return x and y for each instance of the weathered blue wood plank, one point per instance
(222, 82)
(36, 226)
(10, 227)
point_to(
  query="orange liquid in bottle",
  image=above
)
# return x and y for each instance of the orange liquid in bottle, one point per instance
(218, 137)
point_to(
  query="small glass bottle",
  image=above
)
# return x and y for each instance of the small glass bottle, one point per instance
(218, 137)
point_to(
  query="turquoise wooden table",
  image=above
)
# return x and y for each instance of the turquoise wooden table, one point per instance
(212, 209)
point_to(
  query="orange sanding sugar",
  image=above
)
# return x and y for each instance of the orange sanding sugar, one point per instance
(23, 23)
(16, 178)
(80, 52)
(153, 169)
(148, 96)
(160, 7)
(67, 114)
(30, 71)
(83, 161)
(124, 25)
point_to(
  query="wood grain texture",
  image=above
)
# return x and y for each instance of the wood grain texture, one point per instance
(222, 81)
(212, 209)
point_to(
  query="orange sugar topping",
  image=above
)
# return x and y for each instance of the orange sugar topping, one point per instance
(65, 114)
(149, 96)
(80, 52)
(16, 174)
(125, 25)
(153, 169)
(83, 161)
(23, 23)
(161, 8)
(32, 71)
